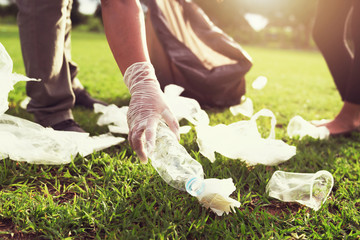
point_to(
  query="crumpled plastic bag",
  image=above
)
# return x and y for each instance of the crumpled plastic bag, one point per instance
(245, 107)
(183, 107)
(299, 127)
(23, 140)
(259, 83)
(25, 102)
(216, 196)
(242, 140)
(8, 79)
(309, 189)
(113, 116)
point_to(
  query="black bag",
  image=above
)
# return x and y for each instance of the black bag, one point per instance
(188, 50)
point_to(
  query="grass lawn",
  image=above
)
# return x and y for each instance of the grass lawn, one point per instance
(110, 195)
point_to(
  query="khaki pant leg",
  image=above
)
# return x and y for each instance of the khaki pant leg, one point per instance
(42, 28)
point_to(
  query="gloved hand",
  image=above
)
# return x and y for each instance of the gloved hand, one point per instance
(146, 108)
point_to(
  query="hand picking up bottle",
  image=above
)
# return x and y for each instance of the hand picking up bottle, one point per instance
(146, 108)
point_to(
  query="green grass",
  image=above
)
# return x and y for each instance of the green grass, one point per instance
(110, 195)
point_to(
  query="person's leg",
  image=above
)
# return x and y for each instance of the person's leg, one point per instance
(42, 27)
(328, 34)
(353, 88)
(82, 97)
(349, 117)
(73, 67)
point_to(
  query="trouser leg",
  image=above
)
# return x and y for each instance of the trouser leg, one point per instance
(74, 69)
(353, 88)
(328, 33)
(42, 28)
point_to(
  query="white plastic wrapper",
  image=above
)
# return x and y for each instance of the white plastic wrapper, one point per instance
(242, 140)
(183, 107)
(259, 83)
(25, 102)
(300, 127)
(309, 189)
(216, 196)
(26, 141)
(23, 140)
(245, 108)
(8, 78)
(113, 116)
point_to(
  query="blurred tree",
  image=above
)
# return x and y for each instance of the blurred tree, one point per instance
(77, 17)
(296, 16)
(8, 9)
(98, 13)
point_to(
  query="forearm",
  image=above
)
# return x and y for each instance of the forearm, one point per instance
(125, 31)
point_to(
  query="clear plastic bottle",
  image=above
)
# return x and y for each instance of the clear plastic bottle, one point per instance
(174, 164)
(181, 171)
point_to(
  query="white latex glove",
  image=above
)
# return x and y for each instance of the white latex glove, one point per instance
(146, 108)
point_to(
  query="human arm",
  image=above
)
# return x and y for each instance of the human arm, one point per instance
(125, 32)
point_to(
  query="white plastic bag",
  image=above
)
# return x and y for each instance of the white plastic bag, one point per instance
(113, 116)
(309, 189)
(23, 140)
(245, 107)
(300, 127)
(8, 79)
(183, 107)
(215, 195)
(259, 83)
(242, 140)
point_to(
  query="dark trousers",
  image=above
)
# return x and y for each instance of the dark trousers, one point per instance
(334, 19)
(44, 28)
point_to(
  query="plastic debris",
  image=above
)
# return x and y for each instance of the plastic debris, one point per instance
(181, 171)
(25, 102)
(23, 140)
(242, 140)
(259, 83)
(300, 127)
(113, 116)
(183, 107)
(309, 189)
(214, 194)
(245, 107)
(8, 78)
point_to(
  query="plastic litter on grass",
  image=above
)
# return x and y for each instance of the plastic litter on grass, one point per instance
(23, 140)
(242, 140)
(245, 107)
(309, 189)
(181, 171)
(300, 127)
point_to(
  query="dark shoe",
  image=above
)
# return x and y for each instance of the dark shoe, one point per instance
(83, 98)
(68, 125)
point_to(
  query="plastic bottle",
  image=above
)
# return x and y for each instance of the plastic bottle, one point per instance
(181, 171)
(174, 164)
